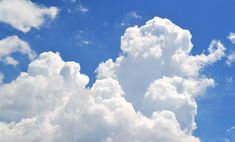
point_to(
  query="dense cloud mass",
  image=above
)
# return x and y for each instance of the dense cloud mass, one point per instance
(24, 14)
(145, 95)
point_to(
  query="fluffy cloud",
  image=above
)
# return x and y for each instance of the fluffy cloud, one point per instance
(12, 44)
(160, 50)
(145, 95)
(51, 103)
(24, 14)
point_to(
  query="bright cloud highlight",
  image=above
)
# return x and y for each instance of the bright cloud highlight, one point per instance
(24, 14)
(145, 95)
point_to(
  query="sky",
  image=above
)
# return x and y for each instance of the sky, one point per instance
(83, 70)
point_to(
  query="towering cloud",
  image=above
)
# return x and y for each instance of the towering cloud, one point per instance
(157, 71)
(24, 14)
(145, 95)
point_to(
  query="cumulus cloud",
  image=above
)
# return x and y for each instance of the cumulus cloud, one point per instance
(145, 95)
(62, 109)
(24, 14)
(160, 50)
(13, 44)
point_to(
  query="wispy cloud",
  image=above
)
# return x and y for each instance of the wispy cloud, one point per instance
(82, 38)
(231, 37)
(76, 6)
(82, 8)
(134, 15)
(12, 44)
(230, 132)
(129, 18)
(230, 58)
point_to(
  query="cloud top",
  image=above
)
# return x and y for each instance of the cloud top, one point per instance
(145, 95)
(24, 15)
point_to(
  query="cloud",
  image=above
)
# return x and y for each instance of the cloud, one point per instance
(1, 77)
(231, 37)
(82, 9)
(82, 38)
(230, 134)
(62, 109)
(134, 15)
(159, 52)
(145, 95)
(84, 43)
(129, 18)
(24, 14)
(230, 58)
(76, 7)
(13, 44)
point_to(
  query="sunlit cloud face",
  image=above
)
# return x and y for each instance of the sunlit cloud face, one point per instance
(24, 15)
(146, 95)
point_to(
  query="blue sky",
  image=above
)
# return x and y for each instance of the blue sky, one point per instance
(89, 32)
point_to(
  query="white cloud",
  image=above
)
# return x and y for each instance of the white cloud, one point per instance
(51, 103)
(84, 42)
(231, 37)
(230, 58)
(126, 22)
(231, 129)
(146, 95)
(77, 7)
(160, 50)
(230, 134)
(82, 9)
(13, 44)
(134, 15)
(24, 14)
